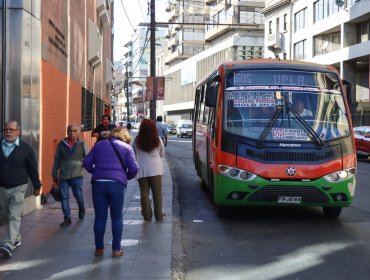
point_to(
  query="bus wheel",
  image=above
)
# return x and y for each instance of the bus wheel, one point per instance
(332, 212)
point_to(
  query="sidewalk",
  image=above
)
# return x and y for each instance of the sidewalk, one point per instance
(49, 251)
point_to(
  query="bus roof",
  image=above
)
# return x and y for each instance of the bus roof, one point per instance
(262, 63)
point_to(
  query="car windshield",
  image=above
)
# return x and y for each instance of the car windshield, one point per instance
(186, 126)
(305, 106)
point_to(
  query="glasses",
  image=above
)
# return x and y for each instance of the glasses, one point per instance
(10, 129)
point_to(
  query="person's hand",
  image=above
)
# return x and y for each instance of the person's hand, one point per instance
(36, 192)
(55, 179)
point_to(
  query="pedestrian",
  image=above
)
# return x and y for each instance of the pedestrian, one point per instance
(111, 162)
(129, 127)
(68, 172)
(17, 164)
(102, 130)
(149, 149)
(162, 130)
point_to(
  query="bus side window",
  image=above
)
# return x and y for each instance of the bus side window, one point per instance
(196, 105)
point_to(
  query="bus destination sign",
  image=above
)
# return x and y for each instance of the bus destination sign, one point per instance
(278, 78)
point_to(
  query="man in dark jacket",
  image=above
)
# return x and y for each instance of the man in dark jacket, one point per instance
(17, 164)
(68, 171)
(103, 130)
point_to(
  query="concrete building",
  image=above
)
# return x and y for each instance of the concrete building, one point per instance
(56, 69)
(327, 32)
(232, 30)
(186, 33)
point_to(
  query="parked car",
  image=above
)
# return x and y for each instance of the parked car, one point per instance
(362, 140)
(171, 128)
(184, 128)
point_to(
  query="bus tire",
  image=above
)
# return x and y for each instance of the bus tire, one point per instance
(332, 212)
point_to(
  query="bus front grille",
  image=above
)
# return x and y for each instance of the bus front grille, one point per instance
(271, 193)
(285, 156)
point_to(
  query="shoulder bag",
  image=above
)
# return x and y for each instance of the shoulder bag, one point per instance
(118, 155)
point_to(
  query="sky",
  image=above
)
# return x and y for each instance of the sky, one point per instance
(127, 15)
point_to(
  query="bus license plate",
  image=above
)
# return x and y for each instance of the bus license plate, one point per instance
(289, 199)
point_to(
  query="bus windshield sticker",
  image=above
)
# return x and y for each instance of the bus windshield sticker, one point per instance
(288, 134)
(255, 99)
(283, 88)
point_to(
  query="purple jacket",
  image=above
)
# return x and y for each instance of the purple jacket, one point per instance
(102, 161)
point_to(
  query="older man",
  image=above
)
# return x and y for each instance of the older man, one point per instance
(17, 164)
(68, 172)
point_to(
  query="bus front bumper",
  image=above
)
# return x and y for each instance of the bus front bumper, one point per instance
(259, 191)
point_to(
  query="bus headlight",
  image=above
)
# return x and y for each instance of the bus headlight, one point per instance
(236, 173)
(340, 175)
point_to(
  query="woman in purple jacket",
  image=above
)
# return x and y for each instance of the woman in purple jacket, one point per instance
(111, 162)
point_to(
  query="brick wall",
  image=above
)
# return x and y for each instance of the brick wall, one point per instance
(64, 71)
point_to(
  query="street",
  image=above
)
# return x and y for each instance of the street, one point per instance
(264, 242)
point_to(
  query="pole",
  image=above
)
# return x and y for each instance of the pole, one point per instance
(127, 93)
(153, 102)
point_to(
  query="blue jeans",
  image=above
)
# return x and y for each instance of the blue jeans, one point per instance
(76, 185)
(108, 194)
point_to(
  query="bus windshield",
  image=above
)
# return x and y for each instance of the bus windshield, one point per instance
(284, 106)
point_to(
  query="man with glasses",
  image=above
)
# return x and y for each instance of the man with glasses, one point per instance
(17, 164)
(68, 172)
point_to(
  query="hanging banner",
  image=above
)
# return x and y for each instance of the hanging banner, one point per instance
(149, 92)
(154, 88)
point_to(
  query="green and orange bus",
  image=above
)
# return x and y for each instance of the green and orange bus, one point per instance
(269, 132)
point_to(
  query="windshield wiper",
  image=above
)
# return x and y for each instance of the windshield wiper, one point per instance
(269, 125)
(307, 126)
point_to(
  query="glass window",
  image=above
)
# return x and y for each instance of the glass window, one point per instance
(313, 100)
(326, 43)
(323, 9)
(285, 24)
(270, 27)
(300, 20)
(300, 50)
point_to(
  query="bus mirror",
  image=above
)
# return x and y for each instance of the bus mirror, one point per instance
(348, 88)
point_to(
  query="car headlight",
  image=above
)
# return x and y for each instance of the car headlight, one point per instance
(340, 175)
(236, 173)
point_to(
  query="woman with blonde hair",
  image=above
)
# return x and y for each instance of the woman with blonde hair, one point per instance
(111, 162)
(149, 150)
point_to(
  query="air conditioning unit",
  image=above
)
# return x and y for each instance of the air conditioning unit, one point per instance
(94, 44)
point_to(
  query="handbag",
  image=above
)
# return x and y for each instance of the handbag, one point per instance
(55, 192)
(118, 155)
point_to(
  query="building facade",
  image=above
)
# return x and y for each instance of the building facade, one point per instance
(56, 70)
(233, 30)
(328, 32)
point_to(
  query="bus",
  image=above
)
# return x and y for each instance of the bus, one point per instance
(254, 143)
